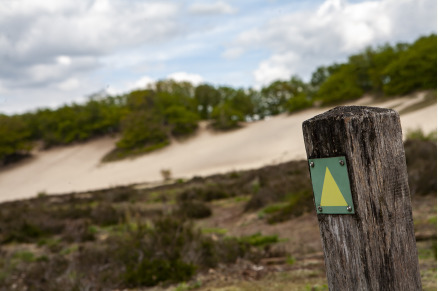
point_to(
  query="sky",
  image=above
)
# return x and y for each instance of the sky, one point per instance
(54, 52)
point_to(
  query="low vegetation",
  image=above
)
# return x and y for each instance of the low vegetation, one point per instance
(128, 237)
(148, 119)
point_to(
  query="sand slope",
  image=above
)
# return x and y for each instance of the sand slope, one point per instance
(278, 139)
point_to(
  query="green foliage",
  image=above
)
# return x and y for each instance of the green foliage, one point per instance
(141, 129)
(181, 121)
(321, 74)
(259, 240)
(414, 69)
(225, 117)
(418, 134)
(151, 272)
(14, 136)
(340, 86)
(75, 122)
(299, 102)
(298, 203)
(24, 256)
(290, 260)
(290, 95)
(393, 70)
(207, 97)
(421, 155)
(194, 209)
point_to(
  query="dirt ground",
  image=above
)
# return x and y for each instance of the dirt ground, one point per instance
(304, 269)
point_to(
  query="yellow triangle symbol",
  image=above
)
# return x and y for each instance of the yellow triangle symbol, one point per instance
(331, 195)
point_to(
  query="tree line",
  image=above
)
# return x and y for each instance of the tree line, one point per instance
(147, 119)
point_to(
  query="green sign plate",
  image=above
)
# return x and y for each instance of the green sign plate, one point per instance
(331, 186)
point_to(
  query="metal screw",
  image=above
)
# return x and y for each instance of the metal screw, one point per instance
(312, 164)
(319, 208)
(349, 209)
(341, 162)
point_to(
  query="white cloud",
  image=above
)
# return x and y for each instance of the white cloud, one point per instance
(195, 79)
(125, 87)
(301, 41)
(69, 84)
(277, 67)
(219, 7)
(63, 60)
(34, 33)
(142, 83)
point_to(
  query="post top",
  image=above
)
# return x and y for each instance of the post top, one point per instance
(341, 112)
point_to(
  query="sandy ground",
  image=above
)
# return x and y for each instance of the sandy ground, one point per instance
(278, 139)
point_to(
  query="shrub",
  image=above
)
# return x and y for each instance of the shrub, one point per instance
(225, 117)
(194, 209)
(182, 122)
(418, 134)
(105, 214)
(141, 129)
(166, 174)
(259, 240)
(421, 161)
(207, 193)
(78, 231)
(340, 86)
(149, 272)
(298, 203)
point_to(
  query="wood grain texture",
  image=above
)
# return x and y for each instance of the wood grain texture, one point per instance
(373, 249)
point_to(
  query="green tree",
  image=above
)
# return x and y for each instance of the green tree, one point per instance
(14, 136)
(206, 97)
(141, 129)
(180, 120)
(225, 117)
(340, 86)
(414, 69)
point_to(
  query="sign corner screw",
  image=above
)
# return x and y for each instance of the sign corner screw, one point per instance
(341, 162)
(312, 164)
(319, 208)
(349, 209)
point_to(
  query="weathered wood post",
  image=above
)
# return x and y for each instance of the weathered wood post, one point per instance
(371, 246)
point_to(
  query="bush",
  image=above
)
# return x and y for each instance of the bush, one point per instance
(259, 240)
(207, 193)
(105, 214)
(182, 122)
(225, 117)
(141, 129)
(421, 161)
(151, 272)
(194, 209)
(298, 204)
(276, 182)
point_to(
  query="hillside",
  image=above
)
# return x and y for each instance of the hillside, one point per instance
(278, 139)
(242, 230)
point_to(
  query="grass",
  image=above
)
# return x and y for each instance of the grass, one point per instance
(274, 207)
(259, 240)
(214, 230)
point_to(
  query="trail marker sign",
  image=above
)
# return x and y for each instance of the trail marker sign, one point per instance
(331, 186)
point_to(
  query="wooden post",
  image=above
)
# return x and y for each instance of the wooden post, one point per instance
(374, 248)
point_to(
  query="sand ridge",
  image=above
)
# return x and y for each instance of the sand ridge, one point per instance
(274, 140)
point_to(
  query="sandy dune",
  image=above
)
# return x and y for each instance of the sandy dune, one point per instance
(278, 139)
